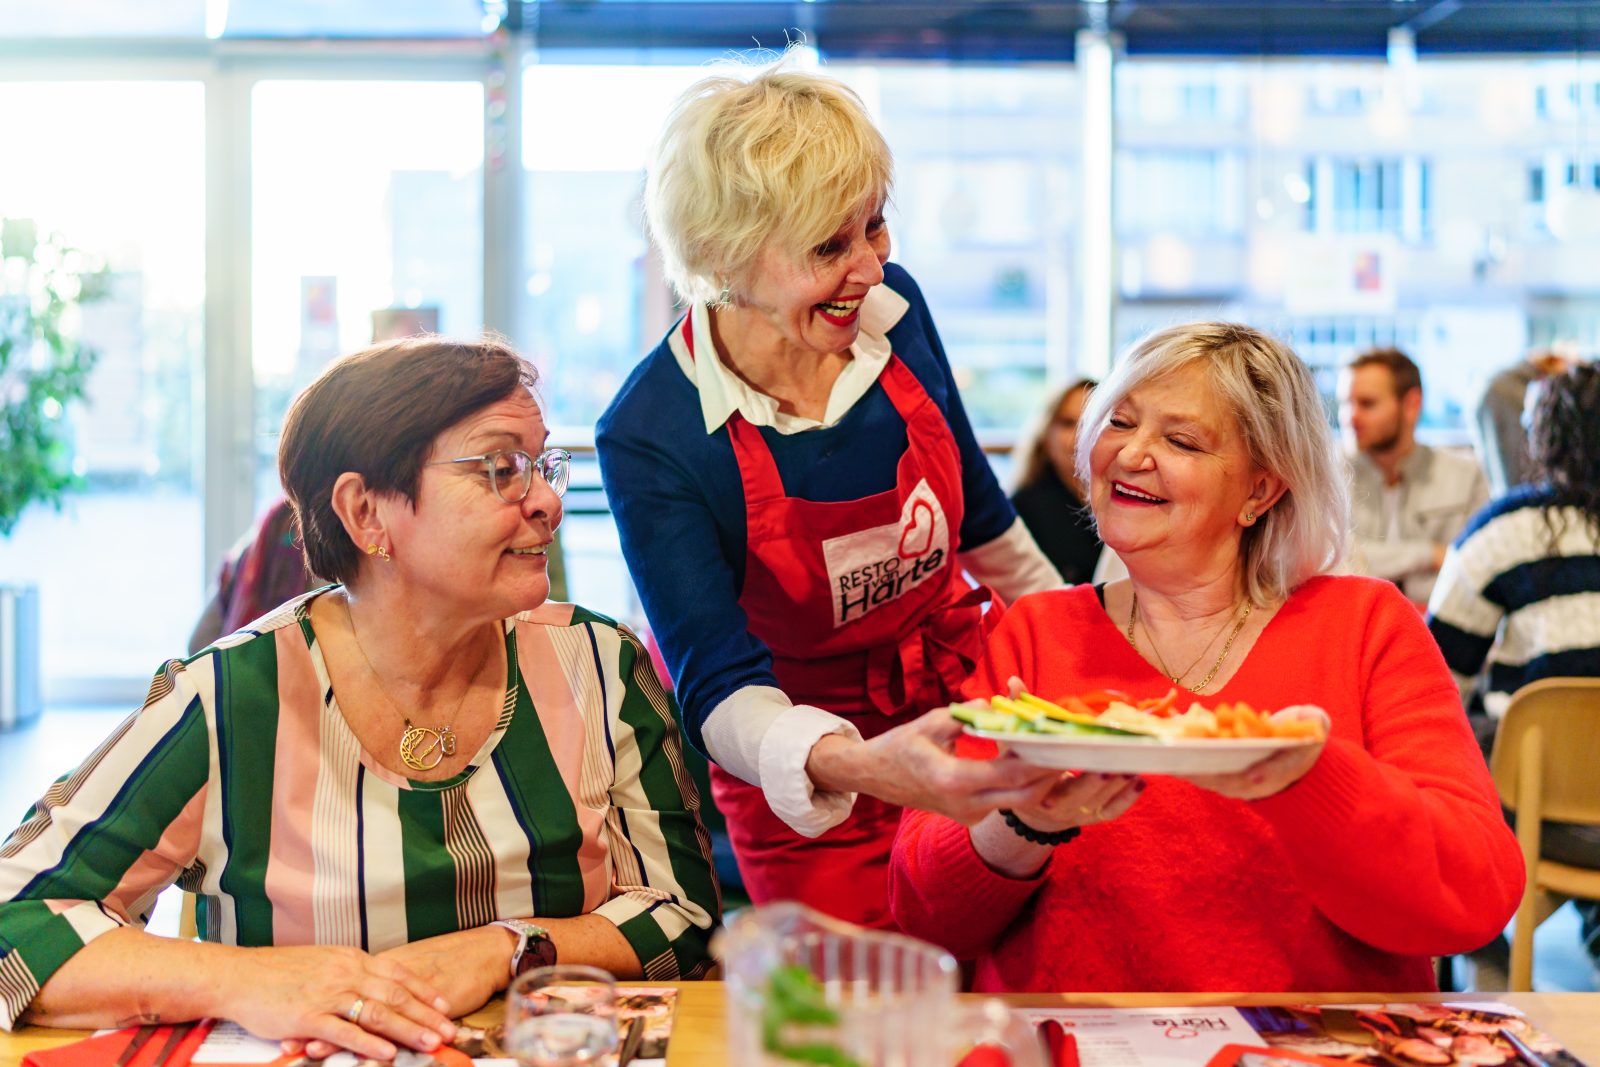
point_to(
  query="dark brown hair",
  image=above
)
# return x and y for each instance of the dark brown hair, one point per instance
(1035, 456)
(1565, 445)
(1402, 371)
(377, 413)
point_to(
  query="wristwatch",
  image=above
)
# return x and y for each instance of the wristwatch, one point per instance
(534, 947)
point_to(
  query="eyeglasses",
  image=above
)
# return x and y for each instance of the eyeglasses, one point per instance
(511, 471)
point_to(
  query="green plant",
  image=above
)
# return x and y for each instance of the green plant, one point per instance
(43, 366)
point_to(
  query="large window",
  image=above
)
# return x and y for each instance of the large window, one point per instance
(1189, 191)
(117, 169)
(594, 297)
(368, 222)
(1447, 207)
(1388, 195)
(596, 301)
(983, 217)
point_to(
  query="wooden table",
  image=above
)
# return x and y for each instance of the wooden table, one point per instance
(699, 1040)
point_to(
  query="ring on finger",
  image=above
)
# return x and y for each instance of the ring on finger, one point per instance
(353, 1012)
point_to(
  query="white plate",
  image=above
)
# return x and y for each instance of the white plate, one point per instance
(1130, 755)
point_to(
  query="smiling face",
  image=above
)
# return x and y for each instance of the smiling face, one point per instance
(812, 302)
(462, 544)
(1170, 471)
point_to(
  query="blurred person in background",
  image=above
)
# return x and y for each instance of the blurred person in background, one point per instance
(1049, 495)
(1212, 473)
(1499, 425)
(1519, 592)
(263, 570)
(800, 495)
(1408, 501)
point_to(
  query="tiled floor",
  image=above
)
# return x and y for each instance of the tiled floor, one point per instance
(31, 758)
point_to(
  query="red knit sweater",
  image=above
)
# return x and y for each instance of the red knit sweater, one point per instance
(1390, 850)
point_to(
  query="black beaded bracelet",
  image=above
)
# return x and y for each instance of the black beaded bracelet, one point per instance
(1038, 837)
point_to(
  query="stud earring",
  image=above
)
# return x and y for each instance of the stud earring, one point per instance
(1249, 517)
(379, 551)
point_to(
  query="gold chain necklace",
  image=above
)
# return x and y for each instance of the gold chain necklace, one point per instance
(1161, 660)
(1133, 617)
(419, 743)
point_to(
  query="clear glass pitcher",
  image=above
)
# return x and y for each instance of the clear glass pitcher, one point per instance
(803, 988)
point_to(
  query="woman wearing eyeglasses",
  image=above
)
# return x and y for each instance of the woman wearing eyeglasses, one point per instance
(389, 794)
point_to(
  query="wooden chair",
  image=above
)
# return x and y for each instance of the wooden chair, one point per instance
(188, 930)
(1546, 766)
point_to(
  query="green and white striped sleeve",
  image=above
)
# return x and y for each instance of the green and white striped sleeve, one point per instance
(104, 840)
(666, 900)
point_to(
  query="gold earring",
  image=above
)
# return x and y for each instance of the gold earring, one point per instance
(1249, 517)
(379, 551)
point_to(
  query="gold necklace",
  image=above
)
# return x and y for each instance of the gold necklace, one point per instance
(419, 743)
(1133, 617)
(1161, 660)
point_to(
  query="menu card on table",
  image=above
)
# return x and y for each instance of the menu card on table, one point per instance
(1379, 1035)
(1410, 1035)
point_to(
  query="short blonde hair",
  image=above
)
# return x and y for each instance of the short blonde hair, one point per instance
(786, 156)
(1286, 431)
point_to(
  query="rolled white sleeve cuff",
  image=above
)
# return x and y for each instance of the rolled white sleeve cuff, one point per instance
(757, 734)
(1012, 564)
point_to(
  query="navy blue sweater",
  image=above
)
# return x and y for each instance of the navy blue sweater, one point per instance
(679, 504)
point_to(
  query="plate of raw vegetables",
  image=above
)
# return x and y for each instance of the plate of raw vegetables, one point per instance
(1111, 732)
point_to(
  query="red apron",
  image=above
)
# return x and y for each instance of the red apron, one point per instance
(867, 616)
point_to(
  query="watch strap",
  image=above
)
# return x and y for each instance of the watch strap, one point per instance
(526, 932)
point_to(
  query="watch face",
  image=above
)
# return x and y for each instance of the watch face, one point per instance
(541, 952)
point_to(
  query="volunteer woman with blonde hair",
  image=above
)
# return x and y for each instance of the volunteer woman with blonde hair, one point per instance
(798, 492)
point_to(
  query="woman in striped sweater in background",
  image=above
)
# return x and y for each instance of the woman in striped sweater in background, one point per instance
(389, 794)
(1519, 591)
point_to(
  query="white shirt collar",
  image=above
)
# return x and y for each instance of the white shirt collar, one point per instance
(722, 392)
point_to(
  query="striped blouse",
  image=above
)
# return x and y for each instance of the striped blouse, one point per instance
(1509, 598)
(241, 781)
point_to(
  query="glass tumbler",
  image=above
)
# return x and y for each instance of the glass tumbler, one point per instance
(562, 1016)
(803, 987)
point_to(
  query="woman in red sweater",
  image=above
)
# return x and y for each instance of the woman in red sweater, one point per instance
(1343, 866)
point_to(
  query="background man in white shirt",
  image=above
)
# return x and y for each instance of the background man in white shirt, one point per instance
(1408, 500)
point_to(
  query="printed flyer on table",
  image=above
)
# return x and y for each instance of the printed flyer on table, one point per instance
(1382, 1035)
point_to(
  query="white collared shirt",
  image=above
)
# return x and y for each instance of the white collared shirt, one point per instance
(723, 392)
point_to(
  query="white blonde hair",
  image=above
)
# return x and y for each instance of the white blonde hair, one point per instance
(784, 157)
(1285, 428)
